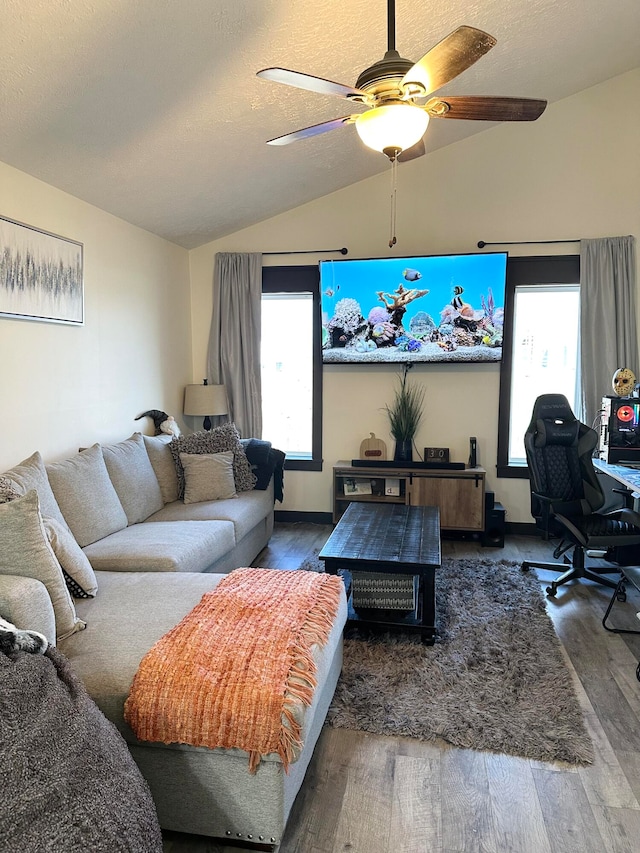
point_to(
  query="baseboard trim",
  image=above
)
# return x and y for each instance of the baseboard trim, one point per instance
(521, 528)
(292, 516)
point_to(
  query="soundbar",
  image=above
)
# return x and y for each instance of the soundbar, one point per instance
(380, 463)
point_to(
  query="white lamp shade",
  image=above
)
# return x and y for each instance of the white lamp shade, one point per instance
(393, 126)
(203, 400)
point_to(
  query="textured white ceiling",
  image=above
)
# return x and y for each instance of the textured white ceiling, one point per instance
(151, 110)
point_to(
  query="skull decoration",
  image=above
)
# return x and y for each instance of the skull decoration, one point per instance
(623, 382)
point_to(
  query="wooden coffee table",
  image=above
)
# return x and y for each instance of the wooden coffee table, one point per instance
(390, 539)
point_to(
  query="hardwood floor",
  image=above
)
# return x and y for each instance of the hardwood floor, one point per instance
(371, 794)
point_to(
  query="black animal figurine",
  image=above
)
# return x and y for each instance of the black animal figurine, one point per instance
(156, 416)
(163, 423)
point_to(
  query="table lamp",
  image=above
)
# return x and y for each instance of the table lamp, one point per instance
(205, 400)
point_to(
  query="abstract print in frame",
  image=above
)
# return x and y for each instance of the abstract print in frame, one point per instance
(40, 275)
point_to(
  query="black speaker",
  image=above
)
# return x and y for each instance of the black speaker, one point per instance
(473, 452)
(494, 525)
(489, 501)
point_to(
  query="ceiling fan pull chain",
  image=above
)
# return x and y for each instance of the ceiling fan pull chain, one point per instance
(394, 184)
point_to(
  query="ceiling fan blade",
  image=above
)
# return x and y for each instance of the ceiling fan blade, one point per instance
(310, 83)
(416, 150)
(486, 108)
(314, 130)
(450, 57)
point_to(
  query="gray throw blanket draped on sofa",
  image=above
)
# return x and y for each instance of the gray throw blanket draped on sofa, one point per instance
(69, 782)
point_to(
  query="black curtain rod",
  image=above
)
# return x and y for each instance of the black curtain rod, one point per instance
(482, 244)
(342, 251)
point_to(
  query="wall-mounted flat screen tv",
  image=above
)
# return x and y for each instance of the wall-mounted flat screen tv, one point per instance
(436, 308)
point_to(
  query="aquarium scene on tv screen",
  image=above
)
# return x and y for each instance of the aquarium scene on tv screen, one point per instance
(437, 308)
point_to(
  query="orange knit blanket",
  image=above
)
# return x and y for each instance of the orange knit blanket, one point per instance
(234, 671)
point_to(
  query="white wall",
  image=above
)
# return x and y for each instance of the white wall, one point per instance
(63, 386)
(575, 173)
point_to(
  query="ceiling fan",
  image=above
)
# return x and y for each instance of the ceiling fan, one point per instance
(396, 92)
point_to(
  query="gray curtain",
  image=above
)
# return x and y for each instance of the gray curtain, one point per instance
(234, 341)
(608, 335)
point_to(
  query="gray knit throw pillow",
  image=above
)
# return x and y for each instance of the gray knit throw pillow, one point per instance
(217, 440)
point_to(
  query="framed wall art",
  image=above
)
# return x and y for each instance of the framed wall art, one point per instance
(41, 275)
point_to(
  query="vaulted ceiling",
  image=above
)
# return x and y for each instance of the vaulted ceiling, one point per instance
(151, 109)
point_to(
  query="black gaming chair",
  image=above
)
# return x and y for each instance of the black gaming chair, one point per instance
(566, 494)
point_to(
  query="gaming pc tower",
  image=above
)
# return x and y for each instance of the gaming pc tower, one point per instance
(620, 430)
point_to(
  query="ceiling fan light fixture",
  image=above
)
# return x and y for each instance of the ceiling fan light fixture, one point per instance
(392, 126)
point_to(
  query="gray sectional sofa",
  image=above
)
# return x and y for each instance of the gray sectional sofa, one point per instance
(138, 557)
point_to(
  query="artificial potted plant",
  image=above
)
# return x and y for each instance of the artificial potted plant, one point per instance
(405, 414)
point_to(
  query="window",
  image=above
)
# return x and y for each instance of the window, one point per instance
(540, 348)
(291, 360)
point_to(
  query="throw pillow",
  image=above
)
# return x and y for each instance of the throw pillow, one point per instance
(163, 464)
(86, 495)
(208, 476)
(25, 551)
(32, 474)
(217, 440)
(76, 568)
(133, 478)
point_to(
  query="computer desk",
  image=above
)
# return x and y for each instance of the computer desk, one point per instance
(629, 477)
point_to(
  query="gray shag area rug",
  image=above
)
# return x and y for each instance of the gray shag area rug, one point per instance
(494, 680)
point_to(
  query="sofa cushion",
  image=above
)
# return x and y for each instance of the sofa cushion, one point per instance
(133, 478)
(121, 638)
(25, 551)
(87, 498)
(162, 461)
(186, 546)
(78, 573)
(245, 511)
(32, 474)
(208, 476)
(217, 440)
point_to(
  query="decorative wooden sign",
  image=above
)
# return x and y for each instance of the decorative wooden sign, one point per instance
(373, 448)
